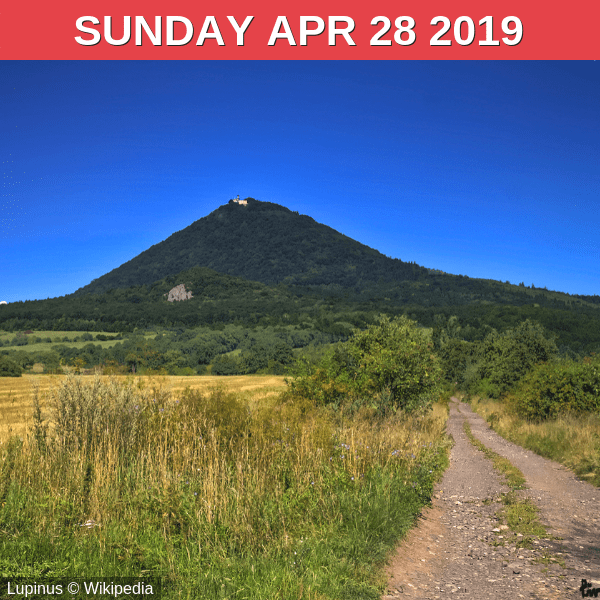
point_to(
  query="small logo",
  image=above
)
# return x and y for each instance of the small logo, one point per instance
(587, 591)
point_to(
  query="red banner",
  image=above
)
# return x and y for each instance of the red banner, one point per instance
(439, 30)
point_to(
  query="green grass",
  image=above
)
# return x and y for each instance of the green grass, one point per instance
(57, 337)
(548, 558)
(220, 497)
(522, 516)
(514, 478)
(572, 440)
(519, 512)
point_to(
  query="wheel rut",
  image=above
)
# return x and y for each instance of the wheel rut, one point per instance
(462, 548)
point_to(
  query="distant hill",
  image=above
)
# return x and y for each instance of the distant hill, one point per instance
(260, 241)
(268, 243)
(261, 264)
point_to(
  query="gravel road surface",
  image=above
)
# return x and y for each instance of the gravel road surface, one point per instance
(461, 548)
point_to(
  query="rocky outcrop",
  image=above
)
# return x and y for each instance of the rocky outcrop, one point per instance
(179, 293)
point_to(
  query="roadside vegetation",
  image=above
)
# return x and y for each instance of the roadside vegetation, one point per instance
(529, 392)
(223, 495)
(570, 439)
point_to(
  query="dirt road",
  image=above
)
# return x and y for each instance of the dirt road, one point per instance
(462, 548)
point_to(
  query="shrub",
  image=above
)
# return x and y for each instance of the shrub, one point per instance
(504, 359)
(20, 340)
(557, 388)
(389, 365)
(454, 356)
(225, 365)
(9, 368)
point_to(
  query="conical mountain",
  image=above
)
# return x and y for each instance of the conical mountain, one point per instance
(260, 241)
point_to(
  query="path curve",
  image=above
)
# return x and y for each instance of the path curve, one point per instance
(455, 552)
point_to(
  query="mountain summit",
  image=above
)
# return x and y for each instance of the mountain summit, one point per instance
(260, 241)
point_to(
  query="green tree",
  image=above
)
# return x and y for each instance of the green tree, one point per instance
(504, 359)
(9, 368)
(389, 365)
(225, 365)
(454, 356)
(555, 388)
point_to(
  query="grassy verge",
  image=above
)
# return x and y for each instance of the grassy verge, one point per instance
(514, 478)
(573, 441)
(218, 496)
(520, 513)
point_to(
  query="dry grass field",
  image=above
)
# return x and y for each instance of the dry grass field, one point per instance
(227, 490)
(16, 406)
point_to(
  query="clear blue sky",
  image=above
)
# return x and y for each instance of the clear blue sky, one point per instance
(487, 169)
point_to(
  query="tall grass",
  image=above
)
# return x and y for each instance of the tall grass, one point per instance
(220, 496)
(573, 440)
(16, 406)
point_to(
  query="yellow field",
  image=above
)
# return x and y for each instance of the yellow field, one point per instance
(16, 392)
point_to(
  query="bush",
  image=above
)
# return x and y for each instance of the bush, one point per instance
(389, 365)
(557, 388)
(502, 360)
(225, 365)
(20, 340)
(9, 368)
(454, 356)
(271, 357)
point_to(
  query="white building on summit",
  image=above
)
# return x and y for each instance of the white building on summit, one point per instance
(238, 201)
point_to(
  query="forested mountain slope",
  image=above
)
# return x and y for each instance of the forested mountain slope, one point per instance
(260, 241)
(266, 242)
